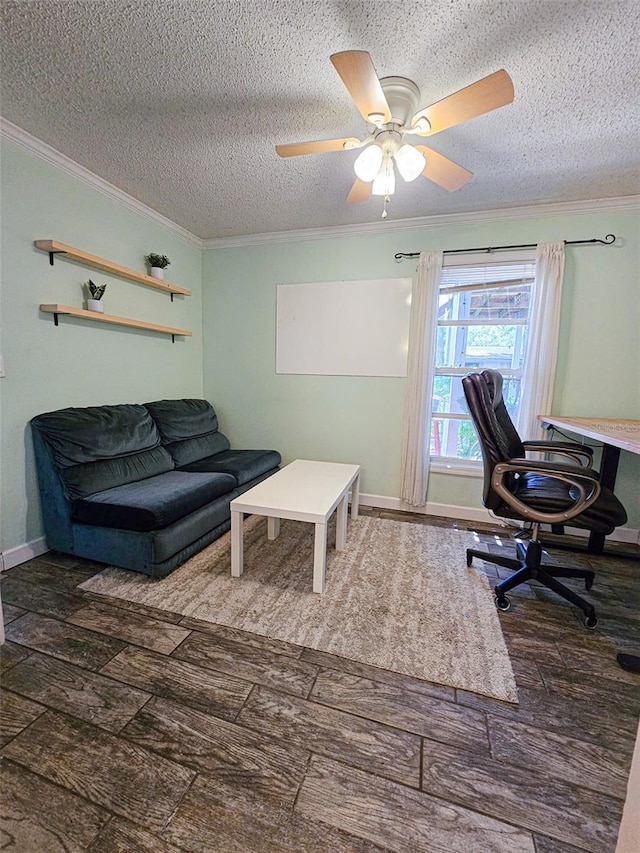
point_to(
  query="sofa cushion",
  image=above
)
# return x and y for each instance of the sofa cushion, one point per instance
(153, 503)
(100, 447)
(97, 432)
(92, 477)
(180, 419)
(193, 449)
(244, 465)
(189, 429)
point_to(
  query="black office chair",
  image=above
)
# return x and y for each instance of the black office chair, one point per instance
(535, 491)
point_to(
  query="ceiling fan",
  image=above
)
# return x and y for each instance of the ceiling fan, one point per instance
(390, 106)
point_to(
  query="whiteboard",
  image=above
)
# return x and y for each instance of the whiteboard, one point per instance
(344, 328)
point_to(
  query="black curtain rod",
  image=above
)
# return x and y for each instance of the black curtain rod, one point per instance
(608, 241)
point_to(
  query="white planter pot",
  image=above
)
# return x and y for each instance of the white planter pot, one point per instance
(95, 305)
(157, 272)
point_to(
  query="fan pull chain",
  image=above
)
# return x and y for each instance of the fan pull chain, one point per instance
(384, 207)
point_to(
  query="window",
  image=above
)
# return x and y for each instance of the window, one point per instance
(483, 321)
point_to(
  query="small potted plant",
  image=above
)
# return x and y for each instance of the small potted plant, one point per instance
(96, 292)
(157, 263)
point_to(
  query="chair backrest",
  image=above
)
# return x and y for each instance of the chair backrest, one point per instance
(494, 383)
(499, 440)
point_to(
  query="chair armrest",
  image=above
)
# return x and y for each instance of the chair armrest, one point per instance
(573, 450)
(532, 465)
(585, 480)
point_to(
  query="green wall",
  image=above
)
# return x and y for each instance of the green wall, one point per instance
(80, 363)
(359, 419)
(231, 357)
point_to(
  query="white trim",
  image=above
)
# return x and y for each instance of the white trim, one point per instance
(430, 508)
(628, 535)
(450, 416)
(485, 321)
(507, 214)
(484, 259)
(459, 467)
(620, 534)
(45, 152)
(508, 372)
(22, 553)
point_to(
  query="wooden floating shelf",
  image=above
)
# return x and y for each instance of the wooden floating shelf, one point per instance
(55, 248)
(110, 318)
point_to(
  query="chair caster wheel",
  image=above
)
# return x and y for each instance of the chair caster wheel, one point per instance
(503, 603)
(591, 622)
(588, 581)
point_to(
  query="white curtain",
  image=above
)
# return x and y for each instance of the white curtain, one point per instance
(542, 345)
(420, 371)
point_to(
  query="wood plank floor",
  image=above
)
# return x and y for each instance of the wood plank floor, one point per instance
(125, 728)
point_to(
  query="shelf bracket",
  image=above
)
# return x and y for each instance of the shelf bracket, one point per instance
(173, 339)
(55, 319)
(51, 254)
(172, 297)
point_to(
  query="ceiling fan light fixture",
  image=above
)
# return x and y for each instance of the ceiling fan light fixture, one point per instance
(410, 162)
(368, 163)
(384, 182)
(389, 106)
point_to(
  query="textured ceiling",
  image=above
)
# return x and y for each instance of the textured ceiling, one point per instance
(181, 103)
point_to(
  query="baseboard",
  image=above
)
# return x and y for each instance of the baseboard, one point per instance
(628, 535)
(22, 553)
(443, 510)
(621, 534)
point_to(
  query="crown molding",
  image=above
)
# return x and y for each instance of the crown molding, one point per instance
(45, 152)
(40, 149)
(505, 214)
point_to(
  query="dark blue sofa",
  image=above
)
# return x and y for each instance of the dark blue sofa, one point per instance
(142, 487)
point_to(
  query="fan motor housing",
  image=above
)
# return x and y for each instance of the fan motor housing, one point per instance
(402, 96)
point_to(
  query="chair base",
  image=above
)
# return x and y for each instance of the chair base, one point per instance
(528, 566)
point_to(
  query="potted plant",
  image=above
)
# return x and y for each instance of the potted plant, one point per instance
(158, 264)
(96, 292)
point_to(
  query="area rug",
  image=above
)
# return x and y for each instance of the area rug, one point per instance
(400, 597)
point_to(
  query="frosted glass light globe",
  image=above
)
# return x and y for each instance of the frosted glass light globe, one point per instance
(368, 163)
(410, 162)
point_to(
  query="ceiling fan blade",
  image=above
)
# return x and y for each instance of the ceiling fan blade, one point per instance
(443, 171)
(360, 191)
(480, 97)
(359, 76)
(293, 149)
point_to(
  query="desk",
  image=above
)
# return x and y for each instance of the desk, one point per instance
(615, 435)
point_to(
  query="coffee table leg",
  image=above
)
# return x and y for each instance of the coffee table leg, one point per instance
(237, 543)
(355, 497)
(273, 527)
(319, 557)
(341, 523)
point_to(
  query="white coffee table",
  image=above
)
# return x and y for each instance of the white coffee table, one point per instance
(302, 491)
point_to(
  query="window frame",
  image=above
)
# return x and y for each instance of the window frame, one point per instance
(454, 465)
